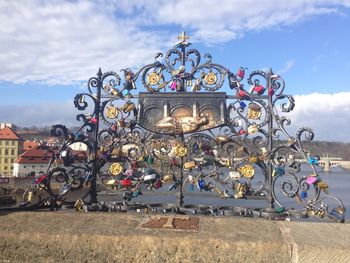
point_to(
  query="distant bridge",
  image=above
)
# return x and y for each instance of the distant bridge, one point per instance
(328, 162)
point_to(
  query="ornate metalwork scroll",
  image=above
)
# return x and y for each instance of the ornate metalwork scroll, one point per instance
(178, 133)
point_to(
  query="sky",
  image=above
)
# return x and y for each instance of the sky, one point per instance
(49, 49)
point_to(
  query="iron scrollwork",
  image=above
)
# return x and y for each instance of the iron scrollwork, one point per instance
(182, 135)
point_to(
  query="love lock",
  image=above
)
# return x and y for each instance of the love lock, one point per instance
(338, 214)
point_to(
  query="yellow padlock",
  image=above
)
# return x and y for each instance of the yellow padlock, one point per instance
(189, 165)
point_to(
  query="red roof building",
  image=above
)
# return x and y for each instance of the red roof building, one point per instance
(8, 134)
(35, 161)
(11, 145)
(27, 145)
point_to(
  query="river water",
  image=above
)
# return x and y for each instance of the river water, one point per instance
(338, 180)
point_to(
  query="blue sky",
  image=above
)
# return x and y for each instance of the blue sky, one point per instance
(49, 49)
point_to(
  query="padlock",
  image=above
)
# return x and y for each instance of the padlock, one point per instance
(311, 180)
(136, 193)
(241, 94)
(280, 209)
(79, 205)
(240, 72)
(127, 194)
(173, 85)
(157, 184)
(242, 104)
(303, 195)
(241, 132)
(201, 184)
(323, 186)
(126, 182)
(234, 175)
(278, 171)
(337, 214)
(253, 129)
(189, 165)
(259, 89)
(167, 178)
(150, 160)
(149, 177)
(253, 159)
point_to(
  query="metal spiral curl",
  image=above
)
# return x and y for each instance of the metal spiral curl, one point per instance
(59, 130)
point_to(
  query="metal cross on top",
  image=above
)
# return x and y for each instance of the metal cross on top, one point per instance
(183, 37)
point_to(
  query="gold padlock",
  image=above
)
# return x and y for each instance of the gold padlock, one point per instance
(323, 186)
(222, 138)
(167, 178)
(189, 165)
(253, 159)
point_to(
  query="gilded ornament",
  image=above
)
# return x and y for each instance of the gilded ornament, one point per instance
(153, 78)
(115, 168)
(210, 78)
(181, 151)
(111, 112)
(247, 171)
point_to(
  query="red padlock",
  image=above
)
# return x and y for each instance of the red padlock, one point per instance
(126, 182)
(240, 73)
(271, 92)
(93, 120)
(259, 89)
(157, 184)
(241, 132)
(241, 94)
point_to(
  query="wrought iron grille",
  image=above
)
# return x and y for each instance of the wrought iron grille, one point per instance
(180, 134)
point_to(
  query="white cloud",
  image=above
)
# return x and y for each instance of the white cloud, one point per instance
(65, 41)
(327, 114)
(286, 67)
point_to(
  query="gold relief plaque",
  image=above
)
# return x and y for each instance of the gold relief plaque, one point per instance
(181, 151)
(210, 78)
(115, 168)
(111, 112)
(247, 171)
(153, 78)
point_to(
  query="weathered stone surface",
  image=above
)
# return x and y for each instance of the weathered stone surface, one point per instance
(111, 237)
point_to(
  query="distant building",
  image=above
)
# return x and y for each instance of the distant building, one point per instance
(11, 145)
(35, 161)
(31, 162)
(27, 145)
